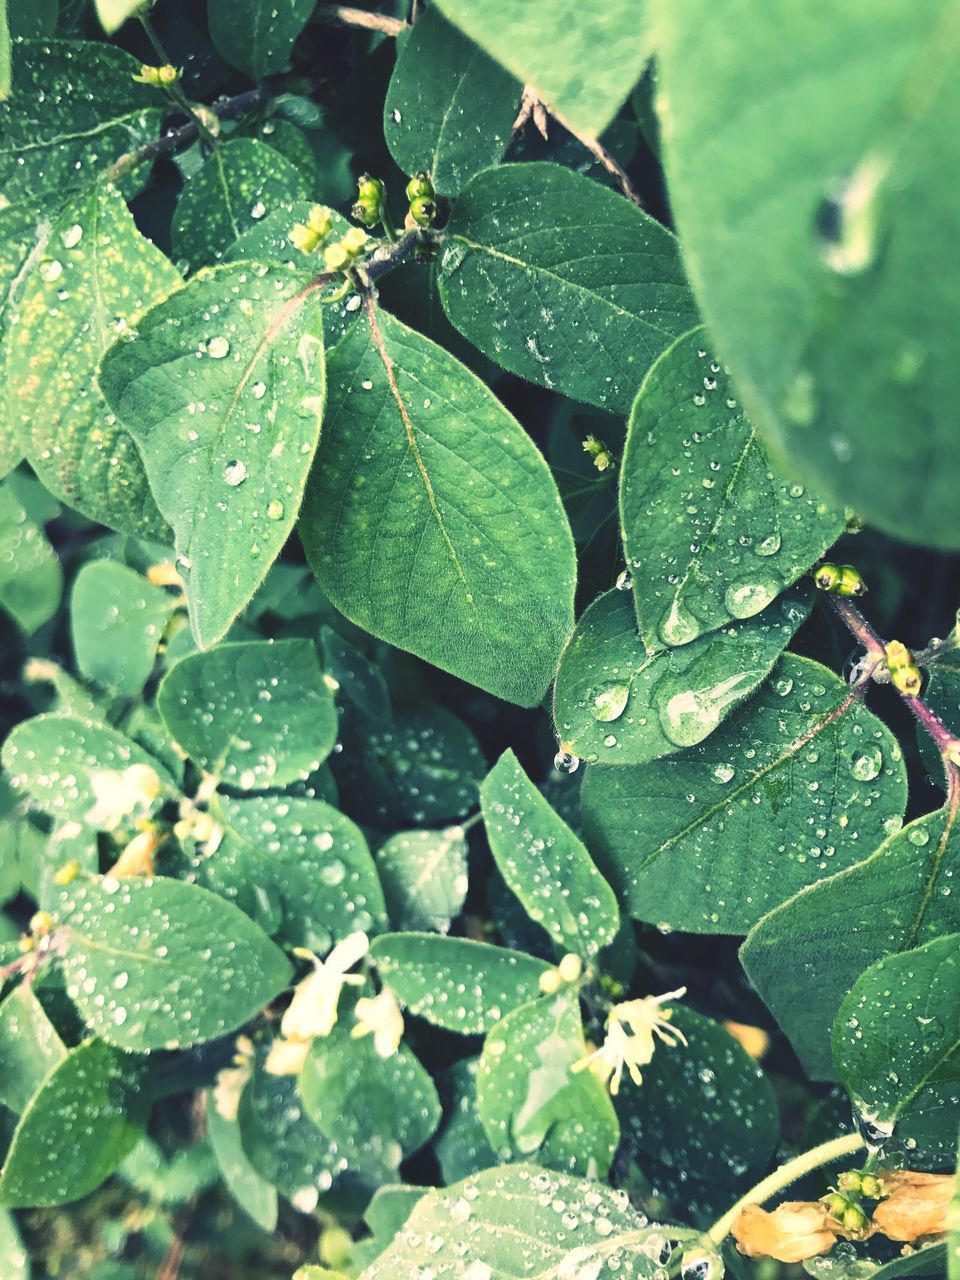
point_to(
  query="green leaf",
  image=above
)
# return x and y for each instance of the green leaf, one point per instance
(705, 1108)
(462, 1146)
(22, 239)
(798, 784)
(257, 715)
(238, 185)
(816, 232)
(30, 576)
(281, 1141)
(530, 1101)
(299, 867)
(82, 1121)
(158, 964)
(545, 864)
(95, 277)
(117, 620)
(359, 678)
(928, 1261)
(74, 109)
(29, 1047)
(80, 771)
(6, 53)
(424, 875)
(223, 390)
(432, 521)
(896, 1044)
(424, 768)
(255, 1196)
(505, 1222)
(376, 1110)
(519, 277)
(712, 533)
(449, 108)
(618, 704)
(454, 983)
(257, 35)
(583, 61)
(900, 897)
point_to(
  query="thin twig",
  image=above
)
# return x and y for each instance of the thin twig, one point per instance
(170, 1267)
(224, 110)
(344, 15)
(532, 107)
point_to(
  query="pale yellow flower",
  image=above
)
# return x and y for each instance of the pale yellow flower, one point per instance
(380, 1017)
(794, 1231)
(313, 1010)
(630, 1040)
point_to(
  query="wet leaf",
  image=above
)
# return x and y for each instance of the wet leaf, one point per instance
(22, 234)
(257, 714)
(223, 390)
(712, 533)
(376, 1110)
(462, 1146)
(520, 1221)
(615, 703)
(449, 108)
(117, 620)
(255, 1196)
(74, 109)
(545, 864)
(298, 867)
(80, 771)
(532, 1104)
(431, 519)
(84, 1118)
(799, 783)
(583, 61)
(705, 1109)
(805, 956)
(241, 182)
(158, 964)
(257, 35)
(11, 1248)
(29, 1047)
(817, 249)
(359, 679)
(455, 983)
(31, 579)
(896, 1045)
(424, 875)
(518, 279)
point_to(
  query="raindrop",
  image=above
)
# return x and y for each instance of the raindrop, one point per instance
(724, 772)
(679, 627)
(72, 236)
(918, 836)
(275, 510)
(769, 546)
(258, 210)
(624, 581)
(609, 702)
(866, 764)
(235, 473)
(744, 599)
(258, 390)
(51, 270)
(566, 762)
(217, 347)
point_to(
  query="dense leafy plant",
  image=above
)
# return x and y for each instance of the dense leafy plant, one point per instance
(320, 948)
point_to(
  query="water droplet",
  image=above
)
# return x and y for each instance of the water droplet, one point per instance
(217, 347)
(275, 510)
(744, 599)
(846, 220)
(692, 715)
(610, 702)
(799, 403)
(51, 270)
(918, 836)
(783, 686)
(724, 772)
(72, 236)
(235, 473)
(865, 765)
(769, 546)
(258, 210)
(679, 627)
(258, 390)
(566, 762)
(624, 581)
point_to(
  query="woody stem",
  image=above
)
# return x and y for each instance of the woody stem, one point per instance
(794, 1169)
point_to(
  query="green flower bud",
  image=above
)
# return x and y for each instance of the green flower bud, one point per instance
(849, 1181)
(167, 75)
(303, 238)
(318, 220)
(423, 210)
(354, 240)
(904, 672)
(841, 579)
(366, 212)
(870, 1186)
(369, 190)
(420, 186)
(335, 256)
(854, 1219)
(602, 457)
(837, 1204)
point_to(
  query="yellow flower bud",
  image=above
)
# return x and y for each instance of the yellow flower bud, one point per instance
(67, 873)
(354, 240)
(303, 238)
(904, 672)
(570, 967)
(164, 574)
(335, 257)
(167, 75)
(41, 922)
(550, 982)
(319, 221)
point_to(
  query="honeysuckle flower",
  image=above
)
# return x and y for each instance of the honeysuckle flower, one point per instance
(136, 859)
(121, 794)
(313, 1010)
(380, 1017)
(914, 1204)
(794, 1231)
(630, 1041)
(231, 1081)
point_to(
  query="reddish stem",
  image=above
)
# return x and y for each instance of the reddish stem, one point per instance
(857, 624)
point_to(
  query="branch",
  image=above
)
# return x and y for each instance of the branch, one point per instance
(223, 110)
(343, 15)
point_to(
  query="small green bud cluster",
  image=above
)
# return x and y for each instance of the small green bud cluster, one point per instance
(345, 251)
(840, 579)
(157, 77)
(369, 202)
(310, 235)
(423, 206)
(844, 1202)
(603, 459)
